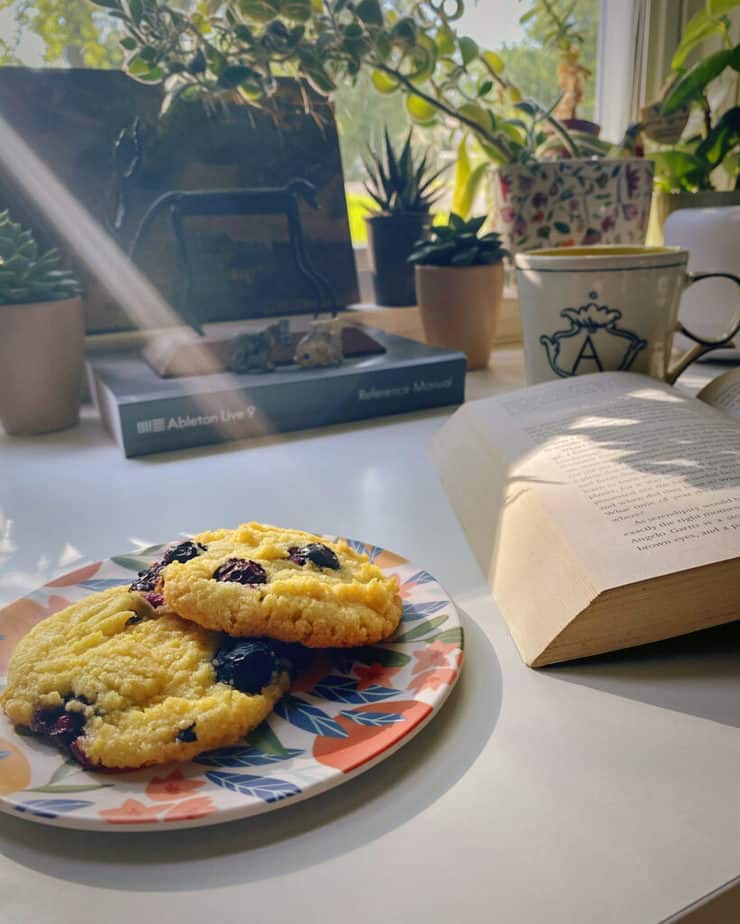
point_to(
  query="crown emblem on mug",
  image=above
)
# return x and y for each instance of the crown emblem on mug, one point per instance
(593, 341)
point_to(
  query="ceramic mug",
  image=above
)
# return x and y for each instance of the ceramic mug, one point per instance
(599, 309)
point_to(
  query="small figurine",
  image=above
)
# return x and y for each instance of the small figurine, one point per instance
(321, 346)
(253, 351)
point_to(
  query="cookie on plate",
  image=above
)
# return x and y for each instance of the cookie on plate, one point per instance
(283, 584)
(121, 684)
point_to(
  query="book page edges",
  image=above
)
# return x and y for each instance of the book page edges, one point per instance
(512, 537)
(650, 611)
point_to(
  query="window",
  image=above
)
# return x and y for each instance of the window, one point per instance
(73, 33)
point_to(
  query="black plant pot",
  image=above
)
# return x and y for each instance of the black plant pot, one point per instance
(391, 239)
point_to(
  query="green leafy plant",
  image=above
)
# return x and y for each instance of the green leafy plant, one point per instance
(704, 139)
(458, 243)
(27, 276)
(553, 24)
(242, 46)
(398, 183)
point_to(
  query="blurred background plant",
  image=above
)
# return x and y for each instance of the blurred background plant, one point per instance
(554, 24)
(695, 127)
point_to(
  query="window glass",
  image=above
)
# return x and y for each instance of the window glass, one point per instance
(72, 33)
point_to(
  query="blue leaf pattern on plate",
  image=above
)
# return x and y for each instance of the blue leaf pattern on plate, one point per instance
(418, 610)
(372, 551)
(421, 577)
(5, 754)
(372, 719)
(50, 808)
(97, 584)
(344, 690)
(266, 788)
(308, 717)
(244, 757)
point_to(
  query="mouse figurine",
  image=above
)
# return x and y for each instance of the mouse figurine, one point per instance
(253, 350)
(321, 346)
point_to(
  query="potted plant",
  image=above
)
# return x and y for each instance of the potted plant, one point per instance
(401, 187)
(459, 284)
(41, 336)
(553, 191)
(691, 133)
(551, 22)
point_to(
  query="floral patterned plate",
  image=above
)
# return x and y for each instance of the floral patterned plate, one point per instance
(346, 713)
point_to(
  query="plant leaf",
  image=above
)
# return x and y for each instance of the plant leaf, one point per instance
(691, 86)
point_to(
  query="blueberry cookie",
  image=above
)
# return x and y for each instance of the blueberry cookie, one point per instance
(283, 584)
(118, 683)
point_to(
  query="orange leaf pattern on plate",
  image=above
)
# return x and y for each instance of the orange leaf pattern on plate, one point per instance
(131, 812)
(15, 772)
(18, 618)
(76, 577)
(172, 786)
(434, 655)
(197, 807)
(433, 680)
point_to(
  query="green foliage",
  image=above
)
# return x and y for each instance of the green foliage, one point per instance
(690, 163)
(72, 32)
(458, 244)
(692, 85)
(27, 276)
(398, 183)
(553, 23)
(706, 23)
(410, 47)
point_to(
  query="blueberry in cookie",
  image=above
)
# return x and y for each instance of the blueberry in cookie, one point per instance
(119, 683)
(283, 584)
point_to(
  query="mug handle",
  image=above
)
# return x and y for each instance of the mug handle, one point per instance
(702, 344)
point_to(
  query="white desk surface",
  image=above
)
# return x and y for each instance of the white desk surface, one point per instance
(599, 792)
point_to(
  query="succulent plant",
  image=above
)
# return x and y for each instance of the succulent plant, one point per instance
(457, 244)
(26, 276)
(397, 182)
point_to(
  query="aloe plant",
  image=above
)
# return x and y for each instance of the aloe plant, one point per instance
(25, 276)
(458, 244)
(397, 183)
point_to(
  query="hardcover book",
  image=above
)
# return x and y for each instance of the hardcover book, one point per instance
(603, 509)
(146, 413)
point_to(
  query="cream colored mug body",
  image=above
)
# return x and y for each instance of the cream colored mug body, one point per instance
(599, 309)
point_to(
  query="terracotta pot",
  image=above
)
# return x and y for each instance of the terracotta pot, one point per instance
(561, 203)
(41, 359)
(459, 307)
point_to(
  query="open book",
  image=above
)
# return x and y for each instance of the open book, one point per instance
(604, 509)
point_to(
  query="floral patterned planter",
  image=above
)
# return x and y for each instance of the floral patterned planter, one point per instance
(564, 203)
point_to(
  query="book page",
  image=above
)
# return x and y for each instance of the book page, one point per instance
(639, 479)
(724, 393)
